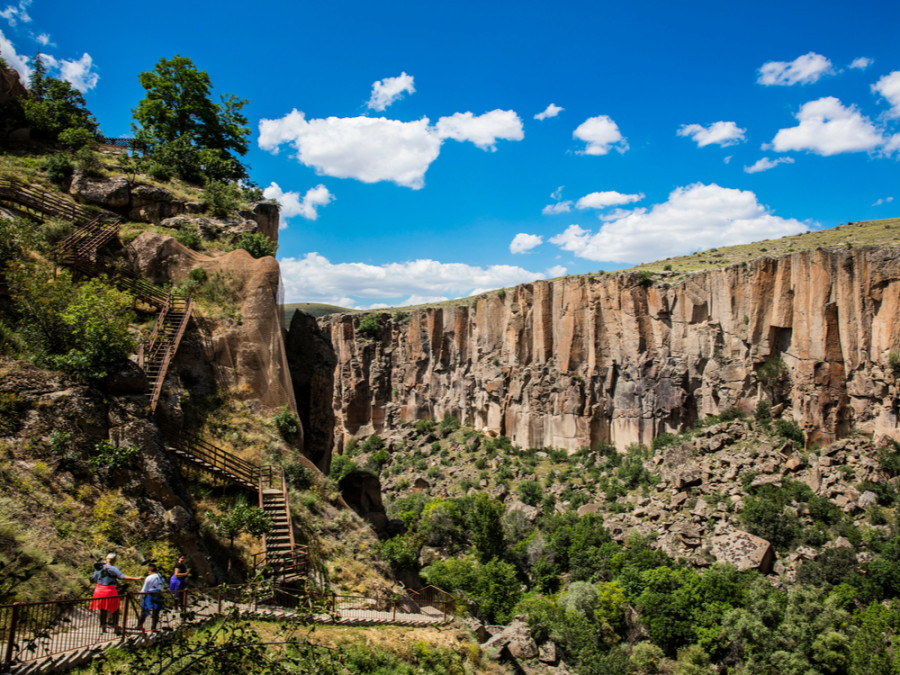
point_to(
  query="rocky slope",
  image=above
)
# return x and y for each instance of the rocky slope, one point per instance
(621, 358)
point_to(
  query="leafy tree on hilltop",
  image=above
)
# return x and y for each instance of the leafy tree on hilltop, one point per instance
(56, 111)
(186, 133)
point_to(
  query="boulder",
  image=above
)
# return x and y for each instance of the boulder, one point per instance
(152, 204)
(743, 550)
(126, 377)
(110, 193)
(516, 638)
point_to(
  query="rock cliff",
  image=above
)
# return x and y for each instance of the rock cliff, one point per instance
(620, 358)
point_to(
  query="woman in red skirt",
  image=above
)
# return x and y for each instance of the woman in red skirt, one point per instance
(106, 594)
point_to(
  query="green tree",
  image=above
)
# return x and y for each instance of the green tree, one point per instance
(184, 130)
(256, 244)
(55, 110)
(241, 518)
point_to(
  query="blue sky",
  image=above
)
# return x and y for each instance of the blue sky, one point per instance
(425, 151)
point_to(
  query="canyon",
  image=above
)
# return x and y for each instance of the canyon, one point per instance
(622, 357)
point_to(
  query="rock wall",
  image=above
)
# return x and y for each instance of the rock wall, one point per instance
(605, 358)
(244, 353)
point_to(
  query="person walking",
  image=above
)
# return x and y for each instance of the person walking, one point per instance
(106, 594)
(178, 581)
(151, 594)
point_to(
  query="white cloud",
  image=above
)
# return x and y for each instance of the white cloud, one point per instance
(389, 90)
(889, 87)
(727, 159)
(482, 130)
(291, 204)
(828, 128)
(720, 133)
(694, 217)
(556, 271)
(861, 63)
(365, 148)
(892, 145)
(522, 242)
(373, 149)
(601, 134)
(558, 207)
(764, 164)
(314, 279)
(14, 60)
(15, 13)
(885, 200)
(78, 73)
(601, 200)
(552, 110)
(804, 69)
(43, 39)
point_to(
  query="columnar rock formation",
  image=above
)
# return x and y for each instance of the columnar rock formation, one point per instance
(611, 358)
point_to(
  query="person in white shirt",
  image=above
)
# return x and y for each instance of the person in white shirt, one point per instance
(152, 597)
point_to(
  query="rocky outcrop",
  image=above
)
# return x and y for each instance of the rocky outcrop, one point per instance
(585, 360)
(11, 86)
(154, 204)
(242, 351)
(362, 492)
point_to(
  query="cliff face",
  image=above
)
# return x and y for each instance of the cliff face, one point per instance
(583, 360)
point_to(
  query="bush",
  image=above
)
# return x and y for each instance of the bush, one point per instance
(730, 414)
(530, 492)
(286, 422)
(401, 553)
(222, 199)
(772, 372)
(256, 244)
(368, 326)
(109, 456)
(449, 424)
(790, 430)
(298, 476)
(341, 465)
(767, 519)
(187, 237)
(763, 412)
(425, 426)
(59, 169)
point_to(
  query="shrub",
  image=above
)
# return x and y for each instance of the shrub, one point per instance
(731, 413)
(894, 361)
(400, 316)
(790, 430)
(530, 492)
(341, 465)
(59, 168)
(286, 422)
(449, 424)
(763, 412)
(298, 476)
(772, 372)
(767, 519)
(109, 456)
(425, 426)
(256, 244)
(645, 278)
(198, 274)
(222, 199)
(401, 553)
(187, 237)
(368, 326)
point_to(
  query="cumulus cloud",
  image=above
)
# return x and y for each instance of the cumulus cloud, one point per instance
(861, 63)
(826, 127)
(720, 133)
(313, 278)
(885, 200)
(373, 149)
(889, 87)
(15, 13)
(556, 271)
(552, 110)
(78, 73)
(482, 130)
(15, 61)
(523, 243)
(557, 207)
(389, 90)
(602, 200)
(764, 164)
(694, 217)
(365, 148)
(601, 134)
(292, 205)
(804, 69)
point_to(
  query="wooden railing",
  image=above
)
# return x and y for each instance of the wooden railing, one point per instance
(221, 462)
(169, 347)
(45, 203)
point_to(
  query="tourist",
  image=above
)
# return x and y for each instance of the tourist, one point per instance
(106, 594)
(179, 579)
(152, 597)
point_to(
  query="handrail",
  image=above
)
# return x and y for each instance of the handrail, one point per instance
(239, 469)
(168, 355)
(45, 202)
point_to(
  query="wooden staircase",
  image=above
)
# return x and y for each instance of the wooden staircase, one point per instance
(157, 352)
(282, 558)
